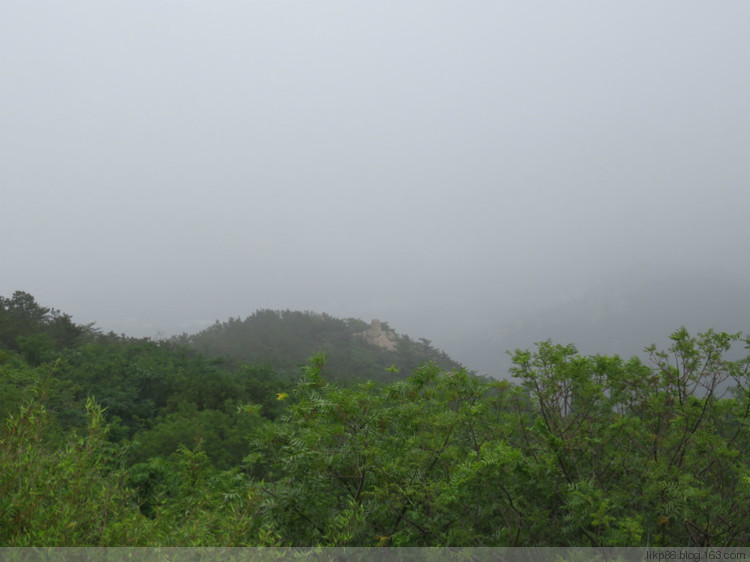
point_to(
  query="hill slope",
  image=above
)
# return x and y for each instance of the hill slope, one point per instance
(287, 339)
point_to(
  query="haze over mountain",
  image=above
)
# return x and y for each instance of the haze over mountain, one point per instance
(622, 315)
(453, 169)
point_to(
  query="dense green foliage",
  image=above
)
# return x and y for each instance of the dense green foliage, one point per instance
(113, 441)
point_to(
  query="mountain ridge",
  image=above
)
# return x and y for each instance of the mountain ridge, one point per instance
(286, 339)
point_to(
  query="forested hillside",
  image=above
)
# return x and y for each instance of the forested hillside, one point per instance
(114, 441)
(287, 339)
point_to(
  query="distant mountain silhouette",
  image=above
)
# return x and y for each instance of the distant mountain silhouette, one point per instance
(622, 315)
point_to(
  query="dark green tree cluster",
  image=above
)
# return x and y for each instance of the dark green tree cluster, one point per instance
(35, 331)
(158, 397)
(129, 442)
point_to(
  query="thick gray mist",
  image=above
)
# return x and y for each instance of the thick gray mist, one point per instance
(455, 169)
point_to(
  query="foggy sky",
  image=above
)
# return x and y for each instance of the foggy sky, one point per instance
(164, 164)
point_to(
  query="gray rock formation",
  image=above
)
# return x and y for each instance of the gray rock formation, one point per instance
(376, 335)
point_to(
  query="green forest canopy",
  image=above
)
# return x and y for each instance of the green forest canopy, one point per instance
(113, 441)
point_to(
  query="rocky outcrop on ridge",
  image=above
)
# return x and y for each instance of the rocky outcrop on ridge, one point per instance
(376, 335)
